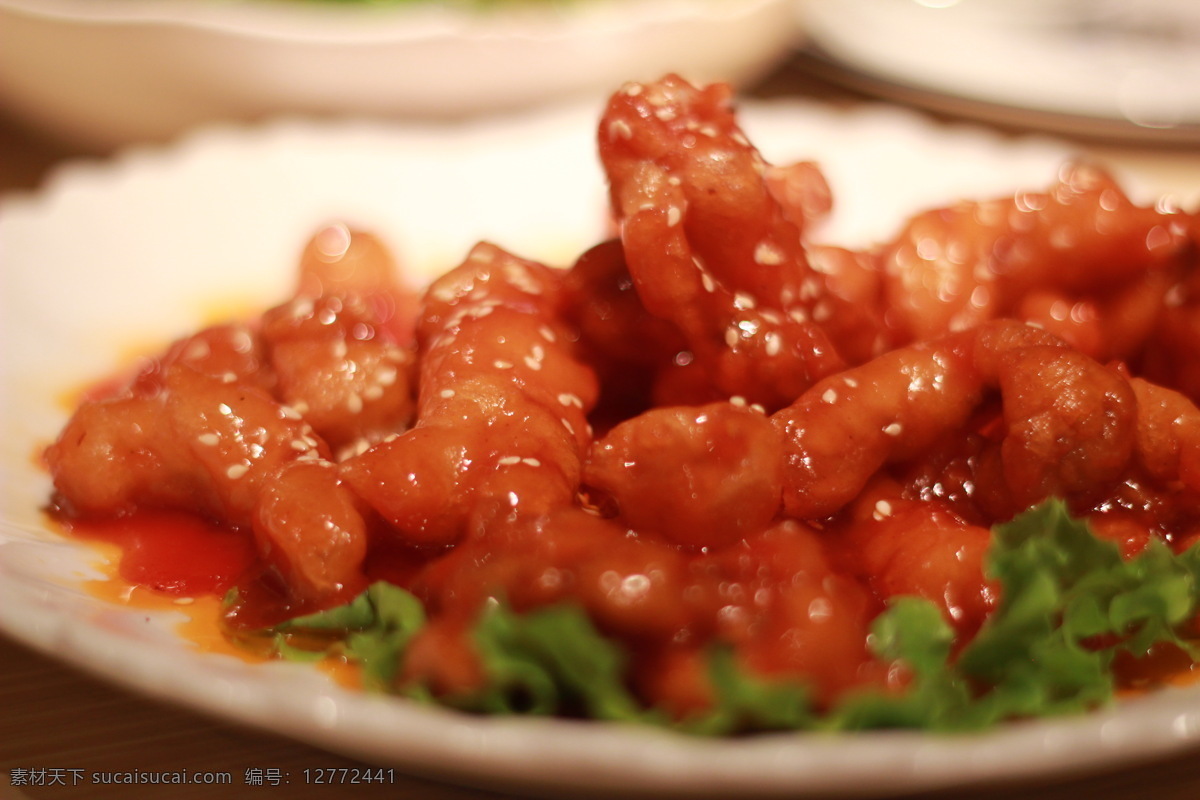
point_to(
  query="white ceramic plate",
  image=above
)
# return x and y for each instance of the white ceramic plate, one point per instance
(111, 256)
(103, 73)
(1106, 67)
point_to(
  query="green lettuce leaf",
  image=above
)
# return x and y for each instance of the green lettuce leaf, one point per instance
(373, 630)
(743, 702)
(550, 661)
(912, 631)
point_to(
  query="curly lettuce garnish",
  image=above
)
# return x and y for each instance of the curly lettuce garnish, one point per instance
(1069, 604)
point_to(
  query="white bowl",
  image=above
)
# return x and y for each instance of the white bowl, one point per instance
(102, 73)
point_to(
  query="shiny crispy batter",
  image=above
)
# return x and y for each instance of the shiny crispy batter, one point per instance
(1168, 435)
(905, 545)
(502, 405)
(632, 351)
(794, 616)
(631, 586)
(309, 526)
(1068, 422)
(800, 189)
(708, 244)
(1171, 356)
(341, 348)
(179, 438)
(722, 463)
(239, 422)
(1080, 259)
(220, 446)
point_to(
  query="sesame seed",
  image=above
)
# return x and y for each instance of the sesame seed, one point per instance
(443, 294)
(674, 216)
(197, 349)
(883, 510)
(743, 300)
(894, 429)
(851, 382)
(731, 336)
(830, 396)
(519, 277)
(236, 471)
(354, 404)
(767, 254)
(568, 399)
(446, 393)
(547, 333)
(501, 364)
(355, 448)
(509, 461)
(707, 282)
(210, 439)
(532, 462)
(774, 344)
(241, 340)
(386, 375)
(372, 392)
(532, 363)
(619, 129)
(737, 401)
(302, 308)
(479, 312)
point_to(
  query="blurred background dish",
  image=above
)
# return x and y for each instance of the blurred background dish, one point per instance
(1109, 69)
(104, 73)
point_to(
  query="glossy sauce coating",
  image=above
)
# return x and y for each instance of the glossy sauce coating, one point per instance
(709, 430)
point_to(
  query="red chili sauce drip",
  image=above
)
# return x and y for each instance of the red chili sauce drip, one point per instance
(172, 552)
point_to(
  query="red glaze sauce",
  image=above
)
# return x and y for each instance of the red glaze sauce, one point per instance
(171, 552)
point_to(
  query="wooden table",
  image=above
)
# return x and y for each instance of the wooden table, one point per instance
(57, 719)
